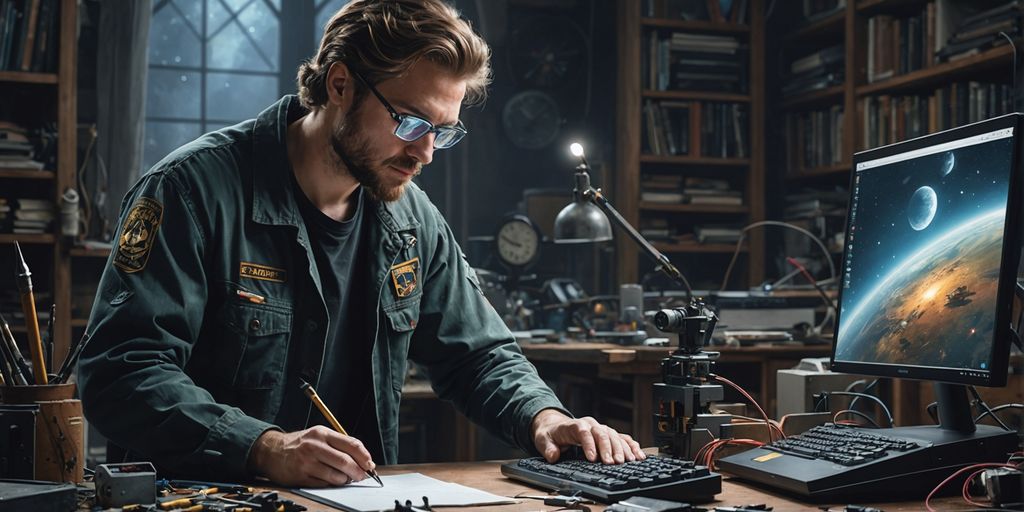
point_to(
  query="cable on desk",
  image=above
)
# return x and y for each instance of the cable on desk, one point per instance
(877, 400)
(952, 477)
(774, 424)
(979, 402)
(835, 418)
(997, 408)
(743, 392)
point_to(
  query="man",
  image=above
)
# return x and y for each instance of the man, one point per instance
(295, 247)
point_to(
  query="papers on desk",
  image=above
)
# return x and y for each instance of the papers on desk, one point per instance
(367, 496)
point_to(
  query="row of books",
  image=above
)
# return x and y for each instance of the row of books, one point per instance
(666, 127)
(29, 32)
(724, 130)
(26, 216)
(888, 119)
(684, 61)
(676, 189)
(819, 70)
(665, 231)
(814, 138)
(721, 11)
(16, 149)
(809, 202)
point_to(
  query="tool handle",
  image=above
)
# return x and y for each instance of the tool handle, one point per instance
(35, 343)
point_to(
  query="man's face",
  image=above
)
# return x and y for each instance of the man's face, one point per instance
(365, 134)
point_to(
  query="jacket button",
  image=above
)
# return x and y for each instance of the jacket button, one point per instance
(255, 324)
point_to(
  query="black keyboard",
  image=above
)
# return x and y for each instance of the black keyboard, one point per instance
(835, 461)
(653, 477)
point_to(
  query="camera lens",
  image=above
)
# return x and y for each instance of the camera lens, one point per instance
(669, 320)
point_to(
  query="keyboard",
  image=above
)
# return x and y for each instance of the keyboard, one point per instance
(654, 477)
(837, 461)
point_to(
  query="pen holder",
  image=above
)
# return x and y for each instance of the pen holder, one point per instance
(59, 429)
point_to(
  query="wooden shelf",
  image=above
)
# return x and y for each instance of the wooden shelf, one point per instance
(82, 252)
(832, 94)
(23, 77)
(698, 247)
(697, 96)
(694, 160)
(941, 73)
(827, 170)
(31, 174)
(693, 208)
(696, 26)
(43, 238)
(829, 27)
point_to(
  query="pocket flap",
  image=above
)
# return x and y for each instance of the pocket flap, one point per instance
(405, 318)
(257, 320)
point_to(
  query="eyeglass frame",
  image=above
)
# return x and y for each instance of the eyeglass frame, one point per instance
(458, 127)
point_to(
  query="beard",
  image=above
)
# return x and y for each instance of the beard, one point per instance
(353, 151)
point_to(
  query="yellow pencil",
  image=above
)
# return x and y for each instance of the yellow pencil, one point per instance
(311, 393)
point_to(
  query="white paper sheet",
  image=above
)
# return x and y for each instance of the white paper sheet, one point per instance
(367, 496)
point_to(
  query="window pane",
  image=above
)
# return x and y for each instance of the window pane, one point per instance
(192, 10)
(234, 97)
(231, 49)
(216, 16)
(171, 41)
(325, 10)
(173, 94)
(262, 25)
(164, 137)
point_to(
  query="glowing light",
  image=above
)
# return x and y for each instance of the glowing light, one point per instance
(930, 293)
(577, 149)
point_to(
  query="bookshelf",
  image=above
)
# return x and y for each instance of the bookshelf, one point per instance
(684, 107)
(888, 59)
(50, 96)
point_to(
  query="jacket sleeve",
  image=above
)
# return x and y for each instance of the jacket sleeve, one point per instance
(470, 355)
(147, 314)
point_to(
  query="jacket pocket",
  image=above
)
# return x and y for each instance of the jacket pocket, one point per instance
(257, 351)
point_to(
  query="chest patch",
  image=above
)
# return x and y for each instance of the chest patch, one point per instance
(262, 272)
(403, 277)
(137, 237)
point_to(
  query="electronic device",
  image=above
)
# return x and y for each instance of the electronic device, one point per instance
(123, 484)
(653, 477)
(37, 496)
(929, 277)
(796, 387)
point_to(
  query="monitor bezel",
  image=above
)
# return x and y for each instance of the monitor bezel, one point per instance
(999, 358)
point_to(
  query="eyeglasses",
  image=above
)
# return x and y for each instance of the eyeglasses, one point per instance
(412, 128)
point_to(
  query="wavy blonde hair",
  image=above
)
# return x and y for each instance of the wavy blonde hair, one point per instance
(382, 39)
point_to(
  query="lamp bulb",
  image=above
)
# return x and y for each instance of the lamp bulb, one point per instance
(577, 149)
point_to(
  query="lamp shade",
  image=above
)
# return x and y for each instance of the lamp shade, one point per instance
(582, 222)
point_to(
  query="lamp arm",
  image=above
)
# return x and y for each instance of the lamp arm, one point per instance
(664, 265)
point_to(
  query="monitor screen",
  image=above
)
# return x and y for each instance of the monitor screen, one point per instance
(931, 254)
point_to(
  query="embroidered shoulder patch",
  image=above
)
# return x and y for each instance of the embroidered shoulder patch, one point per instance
(138, 235)
(262, 272)
(403, 277)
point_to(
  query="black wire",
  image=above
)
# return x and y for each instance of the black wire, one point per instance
(862, 415)
(867, 388)
(931, 411)
(1010, 40)
(979, 401)
(997, 408)
(870, 397)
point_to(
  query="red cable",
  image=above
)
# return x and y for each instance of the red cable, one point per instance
(962, 470)
(743, 392)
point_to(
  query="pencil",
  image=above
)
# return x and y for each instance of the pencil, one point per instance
(311, 393)
(28, 306)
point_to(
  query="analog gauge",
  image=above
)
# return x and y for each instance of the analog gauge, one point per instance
(518, 242)
(531, 119)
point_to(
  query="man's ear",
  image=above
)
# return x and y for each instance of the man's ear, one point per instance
(339, 84)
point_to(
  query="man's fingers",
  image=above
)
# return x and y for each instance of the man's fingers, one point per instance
(585, 438)
(634, 447)
(332, 475)
(352, 447)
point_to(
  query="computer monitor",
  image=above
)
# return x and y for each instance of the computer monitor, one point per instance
(931, 260)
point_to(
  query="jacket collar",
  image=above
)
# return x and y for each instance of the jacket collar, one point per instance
(273, 200)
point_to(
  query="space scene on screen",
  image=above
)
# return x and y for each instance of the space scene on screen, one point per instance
(924, 250)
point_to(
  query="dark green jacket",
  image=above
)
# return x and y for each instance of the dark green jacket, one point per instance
(183, 370)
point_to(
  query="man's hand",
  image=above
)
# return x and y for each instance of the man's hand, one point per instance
(554, 432)
(315, 457)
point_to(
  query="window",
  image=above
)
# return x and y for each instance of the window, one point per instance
(213, 63)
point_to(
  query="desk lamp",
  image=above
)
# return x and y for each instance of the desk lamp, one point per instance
(582, 221)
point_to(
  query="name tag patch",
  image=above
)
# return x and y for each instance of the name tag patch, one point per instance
(403, 277)
(262, 272)
(137, 237)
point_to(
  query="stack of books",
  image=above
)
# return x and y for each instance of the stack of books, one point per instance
(685, 61)
(819, 70)
(28, 35)
(26, 216)
(16, 150)
(981, 31)
(717, 234)
(673, 189)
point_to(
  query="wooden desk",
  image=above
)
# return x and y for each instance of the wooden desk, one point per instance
(579, 364)
(487, 476)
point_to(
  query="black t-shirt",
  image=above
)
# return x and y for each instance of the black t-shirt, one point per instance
(345, 381)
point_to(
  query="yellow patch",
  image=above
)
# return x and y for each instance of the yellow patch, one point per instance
(138, 235)
(262, 272)
(403, 276)
(767, 457)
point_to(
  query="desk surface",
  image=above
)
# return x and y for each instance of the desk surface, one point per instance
(610, 353)
(487, 476)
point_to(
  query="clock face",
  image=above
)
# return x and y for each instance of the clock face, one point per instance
(518, 243)
(531, 119)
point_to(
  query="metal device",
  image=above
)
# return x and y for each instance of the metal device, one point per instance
(682, 420)
(131, 483)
